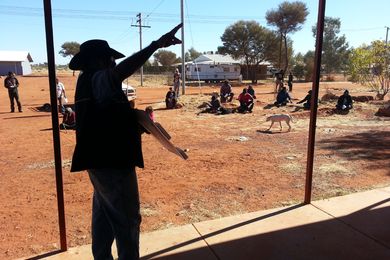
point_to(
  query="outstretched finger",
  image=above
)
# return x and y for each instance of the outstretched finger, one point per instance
(174, 30)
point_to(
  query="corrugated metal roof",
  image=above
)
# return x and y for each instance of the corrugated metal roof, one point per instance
(222, 59)
(15, 56)
(217, 58)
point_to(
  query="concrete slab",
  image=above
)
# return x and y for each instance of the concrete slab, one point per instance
(300, 232)
(175, 243)
(368, 212)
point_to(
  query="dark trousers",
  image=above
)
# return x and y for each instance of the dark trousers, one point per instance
(14, 95)
(115, 213)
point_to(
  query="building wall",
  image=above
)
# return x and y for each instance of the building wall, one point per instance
(19, 68)
(26, 68)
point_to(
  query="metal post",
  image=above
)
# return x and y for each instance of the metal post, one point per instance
(314, 101)
(54, 121)
(183, 59)
(140, 47)
(139, 21)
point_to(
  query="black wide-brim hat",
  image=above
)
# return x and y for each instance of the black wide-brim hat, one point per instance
(92, 48)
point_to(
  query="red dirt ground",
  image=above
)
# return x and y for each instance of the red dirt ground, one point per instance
(233, 166)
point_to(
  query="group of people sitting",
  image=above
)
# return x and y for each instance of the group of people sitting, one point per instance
(344, 102)
(246, 97)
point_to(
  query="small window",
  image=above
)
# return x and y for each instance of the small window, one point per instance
(226, 69)
(235, 69)
(197, 69)
(211, 66)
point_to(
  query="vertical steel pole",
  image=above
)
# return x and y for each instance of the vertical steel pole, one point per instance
(54, 121)
(140, 47)
(314, 101)
(183, 59)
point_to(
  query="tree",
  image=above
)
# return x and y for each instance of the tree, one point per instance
(288, 18)
(335, 50)
(309, 65)
(192, 54)
(249, 41)
(165, 58)
(298, 66)
(369, 65)
(69, 49)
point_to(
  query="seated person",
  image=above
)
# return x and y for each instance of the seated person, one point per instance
(282, 98)
(170, 99)
(69, 119)
(307, 100)
(149, 110)
(246, 101)
(345, 101)
(226, 92)
(251, 91)
(214, 106)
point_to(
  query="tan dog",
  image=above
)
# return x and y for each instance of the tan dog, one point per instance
(279, 118)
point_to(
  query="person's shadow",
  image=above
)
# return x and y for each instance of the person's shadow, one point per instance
(268, 106)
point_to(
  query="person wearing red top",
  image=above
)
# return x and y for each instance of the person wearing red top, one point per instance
(246, 101)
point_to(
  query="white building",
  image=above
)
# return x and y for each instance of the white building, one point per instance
(213, 67)
(15, 61)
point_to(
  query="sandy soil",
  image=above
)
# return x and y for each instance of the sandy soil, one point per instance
(233, 166)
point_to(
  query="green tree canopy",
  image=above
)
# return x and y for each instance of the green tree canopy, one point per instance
(69, 49)
(192, 54)
(369, 65)
(165, 58)
(249, 41)
(298, 65)
(287, 18)
(335, 49)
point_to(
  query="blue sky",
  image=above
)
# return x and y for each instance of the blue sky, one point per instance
(22, 22)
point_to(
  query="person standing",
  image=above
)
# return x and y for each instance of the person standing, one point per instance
(12, 84)
(176, 82)
(111, 150)
(61, 96)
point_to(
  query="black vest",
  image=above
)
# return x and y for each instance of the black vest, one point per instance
(106, 137)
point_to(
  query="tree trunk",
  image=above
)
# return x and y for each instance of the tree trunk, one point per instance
(280, 50)
(286, 52)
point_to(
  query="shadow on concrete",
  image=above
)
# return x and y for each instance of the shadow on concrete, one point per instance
(364, 234)
(372, 146)
(45, 255)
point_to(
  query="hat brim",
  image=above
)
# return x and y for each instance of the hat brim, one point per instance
(78, 60)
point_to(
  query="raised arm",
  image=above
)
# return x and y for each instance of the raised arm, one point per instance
(128, 66)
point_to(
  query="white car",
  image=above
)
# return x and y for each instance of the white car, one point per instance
(129, 91)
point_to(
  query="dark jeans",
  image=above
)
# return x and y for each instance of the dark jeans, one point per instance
(115, 213)
(14, 95)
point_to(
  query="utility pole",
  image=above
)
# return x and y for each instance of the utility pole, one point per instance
(387, 52)
(140, 26)
(183, 59)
